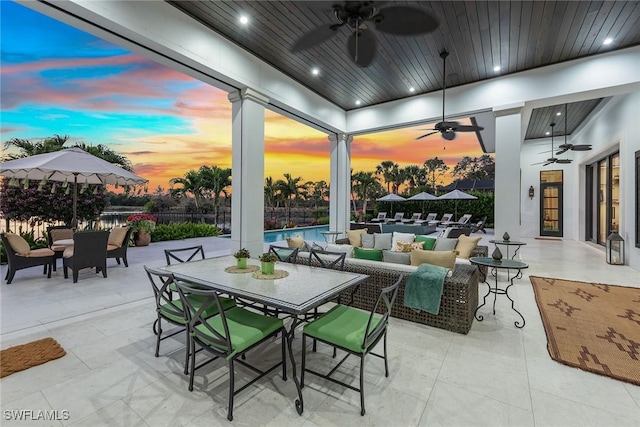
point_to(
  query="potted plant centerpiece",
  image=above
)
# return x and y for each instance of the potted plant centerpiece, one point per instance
(241, 258)
(268, 262)
(142, 226)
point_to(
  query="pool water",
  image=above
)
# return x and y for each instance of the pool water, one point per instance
(307, 233)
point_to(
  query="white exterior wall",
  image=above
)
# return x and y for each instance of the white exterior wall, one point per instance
(615, 128)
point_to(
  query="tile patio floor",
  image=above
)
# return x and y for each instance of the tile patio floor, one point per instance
(496, 375)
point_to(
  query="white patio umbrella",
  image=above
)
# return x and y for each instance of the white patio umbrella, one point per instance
(424, 196)
(72, 165)
(391, 197)
(457, 195)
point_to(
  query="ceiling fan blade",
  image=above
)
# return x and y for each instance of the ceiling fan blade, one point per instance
(405, 21)
(564, 161)
(547, 163)
(314, 37)
(581, 147)
(427, 134)
(562, 151)
(362, 47)
(468, 128)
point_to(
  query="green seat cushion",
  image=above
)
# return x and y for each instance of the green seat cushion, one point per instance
(343, 326)
(246, 328)
(370, 254)
(168, 311)
(429, 242)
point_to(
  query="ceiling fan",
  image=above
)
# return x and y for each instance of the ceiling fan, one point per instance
(448, 129)
(563, 148)
(551, 160)
(358, 17)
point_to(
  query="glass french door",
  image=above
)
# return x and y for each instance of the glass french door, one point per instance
(603, 198)
(551, 203)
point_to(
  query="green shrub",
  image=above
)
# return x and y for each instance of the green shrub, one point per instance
(185, 230)
(323, 220)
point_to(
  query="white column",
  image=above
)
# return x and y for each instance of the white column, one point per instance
(340, 182)
(507, 183)
(247, 200)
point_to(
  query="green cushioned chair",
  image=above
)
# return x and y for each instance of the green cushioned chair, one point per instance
(228, 335)
(355, 331)
(170, 309)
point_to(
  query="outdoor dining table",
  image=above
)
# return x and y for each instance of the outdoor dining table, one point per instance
(303, 289)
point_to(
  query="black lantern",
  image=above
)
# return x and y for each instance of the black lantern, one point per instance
(532, 192)
(615, 249)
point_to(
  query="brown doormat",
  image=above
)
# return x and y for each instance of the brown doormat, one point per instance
(591, 326)
(25, 356)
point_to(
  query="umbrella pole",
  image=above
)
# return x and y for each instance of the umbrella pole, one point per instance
(74, 220)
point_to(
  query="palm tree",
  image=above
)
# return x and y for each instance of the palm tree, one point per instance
(105, 153)
(270, 195)
(386, 169)
(290, 189)
(363, 182)
(414, 175)
(192, 184)
(30, 148)
(215, 180)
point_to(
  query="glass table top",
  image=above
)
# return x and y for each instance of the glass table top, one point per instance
(303, 289)
(504, 263)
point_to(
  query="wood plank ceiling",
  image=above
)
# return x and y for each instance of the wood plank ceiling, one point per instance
(480, 35)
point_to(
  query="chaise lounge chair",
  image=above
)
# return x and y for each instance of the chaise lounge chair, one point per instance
(415, 217)
(399, 216)
(381, 217)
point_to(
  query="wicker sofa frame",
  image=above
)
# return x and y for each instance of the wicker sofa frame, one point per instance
(459, 298)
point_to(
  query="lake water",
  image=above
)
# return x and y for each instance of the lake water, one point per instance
(307, 233)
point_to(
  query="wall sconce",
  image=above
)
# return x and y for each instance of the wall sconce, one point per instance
(532, 192)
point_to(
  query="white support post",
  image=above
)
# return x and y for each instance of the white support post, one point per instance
(340, 182)
(507, 181)
(247, 206)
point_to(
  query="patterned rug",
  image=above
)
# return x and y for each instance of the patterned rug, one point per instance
(591, 326)
(25, 356)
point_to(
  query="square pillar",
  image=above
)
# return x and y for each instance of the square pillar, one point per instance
(340, 182)
(507, 181)
(247, 200)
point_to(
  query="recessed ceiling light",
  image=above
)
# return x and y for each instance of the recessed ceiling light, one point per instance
(358, 102)
(244, 20)
(559, 113)
(412, 89)
(607, 41)
(547, 133)
(315, 71)
(496, 68)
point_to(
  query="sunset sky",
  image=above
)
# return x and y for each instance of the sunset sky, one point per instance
(56, 79)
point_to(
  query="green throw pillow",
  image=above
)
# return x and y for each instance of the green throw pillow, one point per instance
(429, 242)
(370, 254)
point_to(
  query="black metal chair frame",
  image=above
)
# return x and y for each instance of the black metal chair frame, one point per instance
(191, 252)
(89, 250)
(121, 252)
(221, 346)
(17, 262)
(291, 257)
(479, 226)
(58, 254)
(372, 337)
(163, 295)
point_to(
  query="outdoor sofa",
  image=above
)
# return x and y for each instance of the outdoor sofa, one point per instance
(459, 297)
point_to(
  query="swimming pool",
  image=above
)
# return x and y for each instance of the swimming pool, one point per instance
(307, 233)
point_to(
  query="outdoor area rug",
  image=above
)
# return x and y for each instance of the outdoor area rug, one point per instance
(591, 326)
(25, 356)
